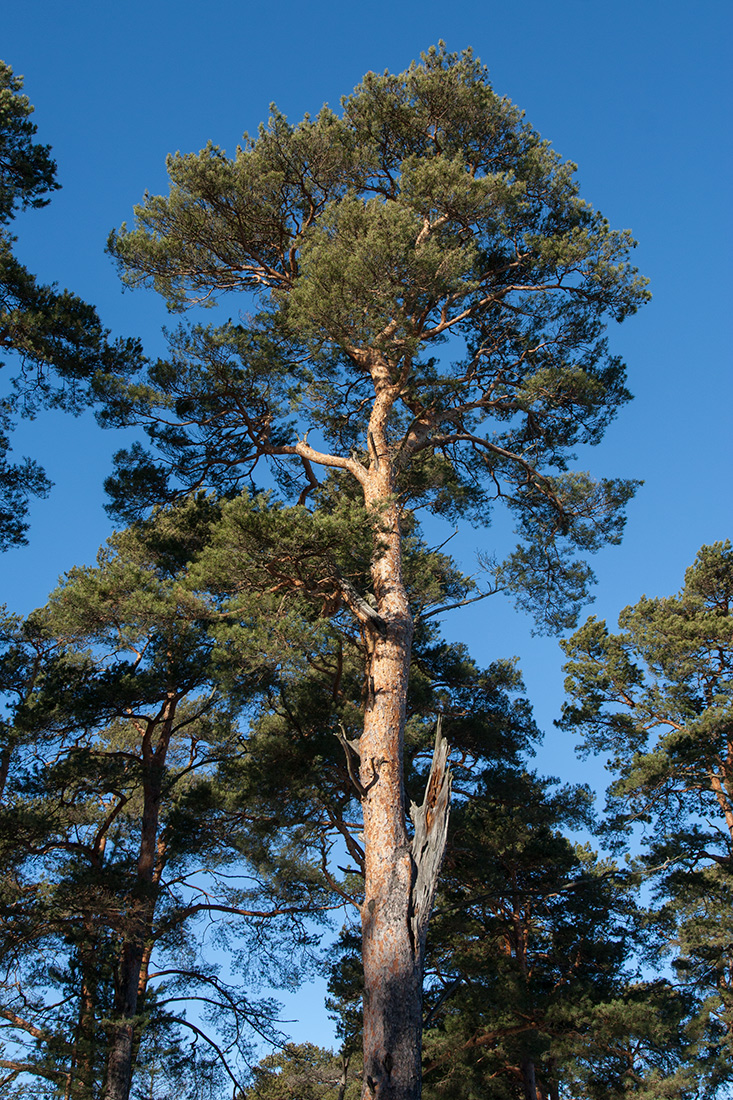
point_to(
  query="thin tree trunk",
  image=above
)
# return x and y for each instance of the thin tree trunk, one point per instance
(133, 961)
(4, 769)
(529, 1080)
(554, 1086)
(122, 1033)
(344, 1078)
(81, 1077)
(142, 983)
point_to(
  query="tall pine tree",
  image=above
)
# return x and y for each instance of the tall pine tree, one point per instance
(430, 298)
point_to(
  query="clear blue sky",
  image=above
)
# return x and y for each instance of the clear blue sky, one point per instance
(636, 92)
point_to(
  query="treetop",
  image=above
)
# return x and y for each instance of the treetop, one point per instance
(431, 295)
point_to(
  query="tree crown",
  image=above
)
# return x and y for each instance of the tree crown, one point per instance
(432, 293)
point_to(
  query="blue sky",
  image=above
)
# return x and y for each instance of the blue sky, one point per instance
(636, 93)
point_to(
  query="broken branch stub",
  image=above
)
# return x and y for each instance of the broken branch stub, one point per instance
(428, 844)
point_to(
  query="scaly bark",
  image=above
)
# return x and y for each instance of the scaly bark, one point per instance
(122, 1037)
(397, 896)
(392, 975)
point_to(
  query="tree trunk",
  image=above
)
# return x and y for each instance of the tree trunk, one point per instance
(399, 876)
(529, 1080)
(135, 951)
(122, 1037)
(392, 970)
(81, 1076)
(4, 769)
(126, 1035)
(554, 1085)
(344, 1078)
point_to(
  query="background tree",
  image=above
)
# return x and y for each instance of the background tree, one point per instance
(656, 698)
(117, 840)
(57, 338)
(427, 210)
(304, 1072)
(534, 990)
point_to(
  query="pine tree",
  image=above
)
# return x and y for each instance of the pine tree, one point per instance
(303, 1072)
(114, 837)
(426, 218)
(656, 697)
(532, 954)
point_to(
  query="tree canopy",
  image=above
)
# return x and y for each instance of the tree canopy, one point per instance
(433, 286)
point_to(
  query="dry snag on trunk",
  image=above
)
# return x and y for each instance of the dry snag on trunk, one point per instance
(430, 821)
(427, 216)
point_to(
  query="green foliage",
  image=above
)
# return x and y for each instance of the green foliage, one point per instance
(27, 173)
(656, 698)
(530, 944)
(427, 217)
(61, 345)
(304, 1072)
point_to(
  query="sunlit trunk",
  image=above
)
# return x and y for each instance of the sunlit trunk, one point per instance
(392, 960)
(393, 931)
